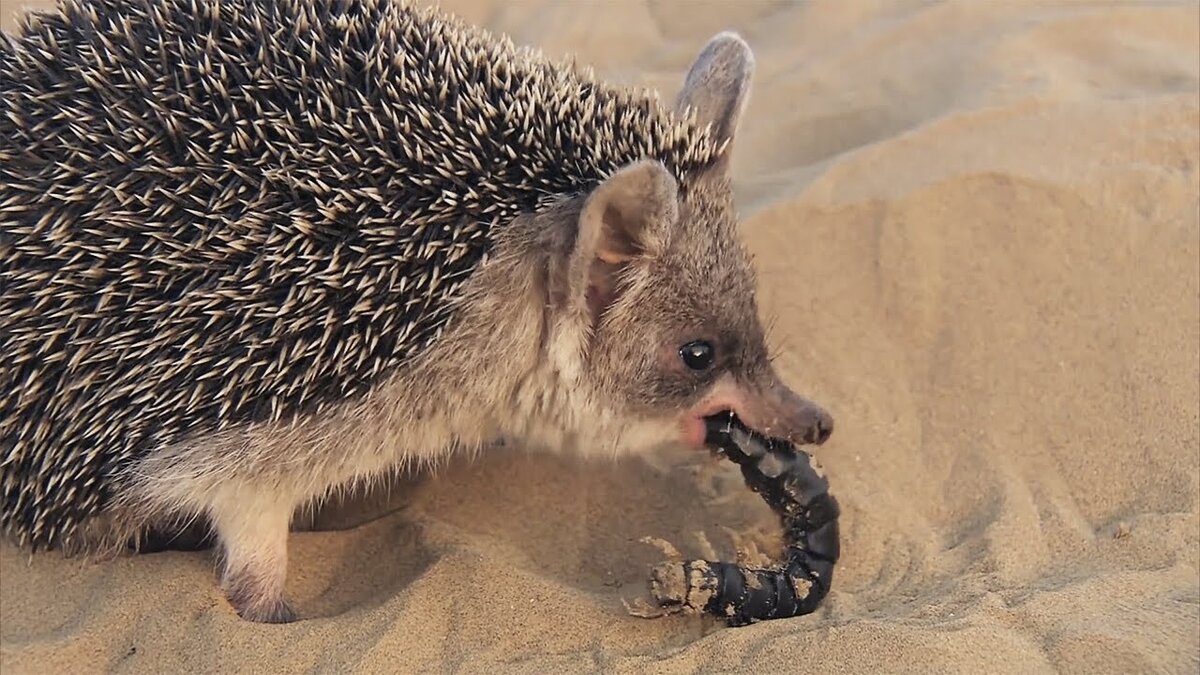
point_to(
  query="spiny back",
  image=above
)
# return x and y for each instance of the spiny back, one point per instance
(214, 213)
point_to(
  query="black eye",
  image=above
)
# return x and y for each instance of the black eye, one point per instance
(697, 355)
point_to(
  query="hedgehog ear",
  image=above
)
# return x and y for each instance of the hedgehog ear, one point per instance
(717, 87)
(626, 218)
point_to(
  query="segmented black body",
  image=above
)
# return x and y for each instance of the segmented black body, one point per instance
(785, 478)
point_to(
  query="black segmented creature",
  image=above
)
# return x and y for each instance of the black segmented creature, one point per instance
(787, 481)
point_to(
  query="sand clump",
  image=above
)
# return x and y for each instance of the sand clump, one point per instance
(978, 236)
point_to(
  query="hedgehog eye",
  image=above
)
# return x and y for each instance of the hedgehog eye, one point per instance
(697, 355)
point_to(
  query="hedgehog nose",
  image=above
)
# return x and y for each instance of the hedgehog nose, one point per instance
(797, 418)
(823, 428)
(809, 422)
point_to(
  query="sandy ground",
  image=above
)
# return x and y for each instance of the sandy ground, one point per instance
(977, 227)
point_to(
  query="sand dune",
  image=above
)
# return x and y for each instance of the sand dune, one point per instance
(978, 236)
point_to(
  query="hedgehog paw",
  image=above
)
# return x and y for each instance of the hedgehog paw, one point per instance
(254, 601)
(275, 611)
(253, 557)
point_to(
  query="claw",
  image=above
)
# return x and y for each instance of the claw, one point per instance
(706, 548)
(644, 610)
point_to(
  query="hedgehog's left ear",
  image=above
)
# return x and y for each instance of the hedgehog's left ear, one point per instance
(626, 218)
(717, 88)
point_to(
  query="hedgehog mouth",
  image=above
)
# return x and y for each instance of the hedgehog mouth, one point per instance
(707, 428)
(719, 425)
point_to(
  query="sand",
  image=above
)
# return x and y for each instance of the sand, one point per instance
(978, 234)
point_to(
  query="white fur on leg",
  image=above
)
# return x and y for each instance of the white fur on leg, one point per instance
(252, 530)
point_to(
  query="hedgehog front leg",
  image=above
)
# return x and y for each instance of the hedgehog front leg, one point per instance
(253, 556)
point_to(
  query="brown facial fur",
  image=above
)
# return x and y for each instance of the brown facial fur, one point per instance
(692, 280)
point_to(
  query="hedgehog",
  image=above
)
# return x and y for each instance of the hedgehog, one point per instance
(254, 253)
